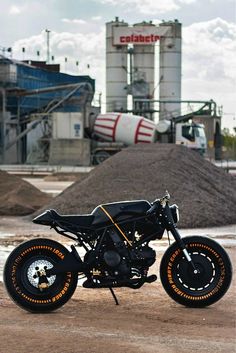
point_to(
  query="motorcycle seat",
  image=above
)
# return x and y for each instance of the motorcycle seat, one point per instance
(85, 220)
(52, 217)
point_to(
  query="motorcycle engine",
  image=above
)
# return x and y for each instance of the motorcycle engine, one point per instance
(116, 264)
(144, 256)
(114, 258)
(121, 264)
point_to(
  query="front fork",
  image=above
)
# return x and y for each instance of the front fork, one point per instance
(182, 246)
(170, 226)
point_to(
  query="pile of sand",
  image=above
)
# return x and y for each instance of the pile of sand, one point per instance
(18, 197)
(205, 194)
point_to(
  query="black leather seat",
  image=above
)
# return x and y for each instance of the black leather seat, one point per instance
(75, 220)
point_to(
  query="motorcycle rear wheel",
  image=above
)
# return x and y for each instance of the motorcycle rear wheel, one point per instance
(21, 280)
(208, 285)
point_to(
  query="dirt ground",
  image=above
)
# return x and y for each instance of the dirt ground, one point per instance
(146, 320)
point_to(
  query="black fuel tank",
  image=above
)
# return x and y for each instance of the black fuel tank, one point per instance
(120, 211)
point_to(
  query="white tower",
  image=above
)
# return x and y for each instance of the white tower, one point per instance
(170, 70)
(144, 61)
(116, 70)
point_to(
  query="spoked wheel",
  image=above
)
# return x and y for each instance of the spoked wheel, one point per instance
(196, 288)
(26, 281)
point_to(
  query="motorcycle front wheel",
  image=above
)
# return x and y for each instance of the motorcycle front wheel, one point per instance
(21, 276)
(183, 284)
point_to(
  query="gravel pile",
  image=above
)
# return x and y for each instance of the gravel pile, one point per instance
(18, 197)
(205, 194)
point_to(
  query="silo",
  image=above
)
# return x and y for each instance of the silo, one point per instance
(116, 70)
(144, 61)
(170, 70)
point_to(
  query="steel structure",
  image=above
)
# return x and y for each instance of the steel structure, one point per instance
(26, 90)
(137, 75)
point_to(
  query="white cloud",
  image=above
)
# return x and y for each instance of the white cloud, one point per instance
(209, 66)
(88, 49)
(187, 2)
(74, 21)
(210, 45)
(96, 18)
(14, 10)
(147, 7)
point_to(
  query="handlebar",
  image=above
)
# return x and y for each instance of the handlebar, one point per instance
(157, 202)
(152, 209)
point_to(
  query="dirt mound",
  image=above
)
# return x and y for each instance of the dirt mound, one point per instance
(205, 194)
(18, 197)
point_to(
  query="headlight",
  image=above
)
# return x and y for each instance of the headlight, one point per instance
(175, 212)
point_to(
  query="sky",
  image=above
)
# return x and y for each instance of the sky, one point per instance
(77, 32)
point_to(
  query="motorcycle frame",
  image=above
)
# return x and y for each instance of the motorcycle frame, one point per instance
(73, 261)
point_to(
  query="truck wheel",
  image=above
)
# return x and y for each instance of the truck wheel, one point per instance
(100, 157)
(21, 276)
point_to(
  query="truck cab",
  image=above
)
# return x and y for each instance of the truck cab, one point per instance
(192, 136)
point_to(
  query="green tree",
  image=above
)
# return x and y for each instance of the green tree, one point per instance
(229, 143)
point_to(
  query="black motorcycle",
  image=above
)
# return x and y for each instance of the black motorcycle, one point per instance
(41, 275)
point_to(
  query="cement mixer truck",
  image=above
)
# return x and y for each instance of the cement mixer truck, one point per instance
(111, 132)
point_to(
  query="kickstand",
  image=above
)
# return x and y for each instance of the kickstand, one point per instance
(114, 296)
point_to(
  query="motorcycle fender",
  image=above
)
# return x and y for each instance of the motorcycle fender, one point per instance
(72, 262)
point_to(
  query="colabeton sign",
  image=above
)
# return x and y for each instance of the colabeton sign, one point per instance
(137, 35)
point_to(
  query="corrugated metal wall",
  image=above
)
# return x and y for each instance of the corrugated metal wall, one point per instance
(31, 78)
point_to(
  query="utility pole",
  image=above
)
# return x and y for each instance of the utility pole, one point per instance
(48, 45)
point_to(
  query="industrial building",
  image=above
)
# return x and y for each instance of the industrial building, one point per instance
(132, 49)
(47, 116)
(131, 63)
(32, 95)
